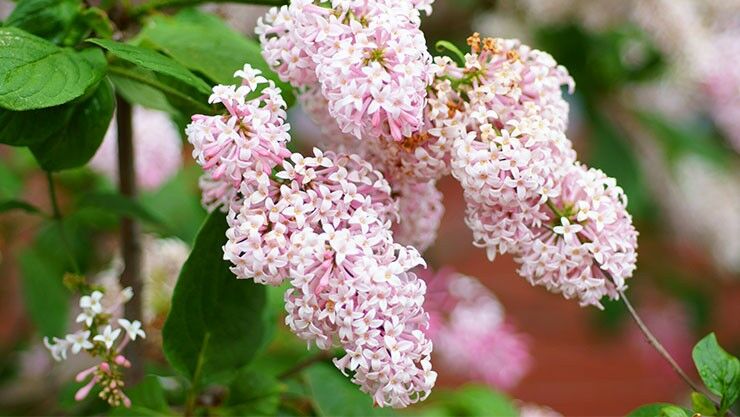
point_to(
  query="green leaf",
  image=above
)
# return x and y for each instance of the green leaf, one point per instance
(22, 128)
(178, 203)
(719, 370)
(8, 205)
(120, 205)
(35, 73)
(142, 94)
(97, 20)
(673, 411)
(153, 61)
(76, 143)
(332, 394)
(44, 294)
(45, 18)
(253, 394)
(703, 405)
(476, 400)
(147, 399)
(203, 43)
(215, 325)
(179, 95)
(649, 410)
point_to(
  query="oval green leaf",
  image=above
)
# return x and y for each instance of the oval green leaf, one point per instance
(215, 325)
(35, 73)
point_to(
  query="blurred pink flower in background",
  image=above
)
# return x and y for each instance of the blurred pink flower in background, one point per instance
(470, 333)
(157, 147)
(672, 326)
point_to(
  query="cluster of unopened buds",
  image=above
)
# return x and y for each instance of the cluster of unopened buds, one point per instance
(100, 338)
(335, 223)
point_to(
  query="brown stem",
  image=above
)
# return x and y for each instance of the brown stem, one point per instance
(300, 366)
(130, 234)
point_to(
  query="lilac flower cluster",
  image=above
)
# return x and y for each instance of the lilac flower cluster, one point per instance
(566, 225)
(496, 121)
(368, 59)
(323, 222)
(334, 223)
(99, 338)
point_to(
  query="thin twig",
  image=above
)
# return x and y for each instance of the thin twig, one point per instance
(130, 235)
(656, 344)
(300, 366)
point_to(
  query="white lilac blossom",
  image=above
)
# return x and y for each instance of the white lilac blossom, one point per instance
(368, 59)
(323, 222)
(467, 323)
(157, 147)
(100, 339)
(162, 259)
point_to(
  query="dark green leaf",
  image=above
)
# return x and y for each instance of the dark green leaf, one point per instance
(8, 205)
(22, 128)
(76, 143)
(45, 18)
(649, 410)
(203, 43)
(253, 394)
(120, 205)
(44, 294)
(334, 395)
(147, 399)
(35, 73)
(703, 405)
(215, 324)
(719, 370)
(153, 61)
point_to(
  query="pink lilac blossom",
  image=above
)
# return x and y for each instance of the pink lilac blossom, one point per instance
(250, 138)
(470, 333)
(157, 146)
(514, 151)
(722, 85)
(420, 214)
(583, 244)
(368, 58)
(671, 324)
(324, 223)
(421, 157)
(99, 338)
